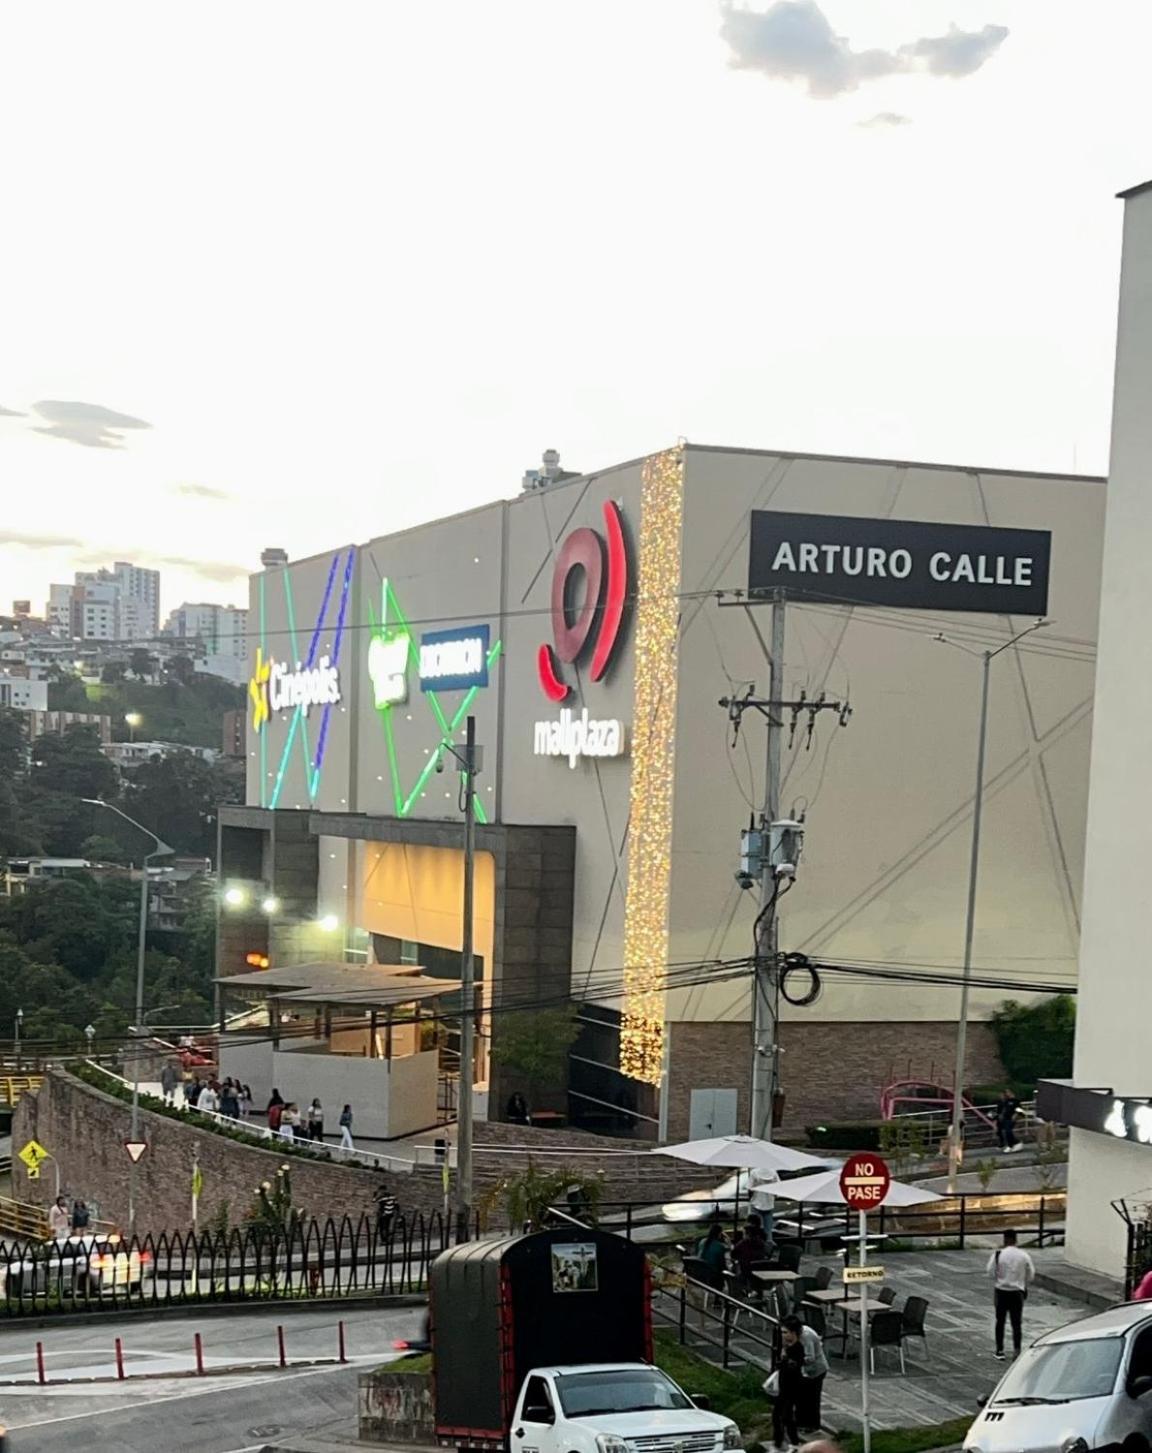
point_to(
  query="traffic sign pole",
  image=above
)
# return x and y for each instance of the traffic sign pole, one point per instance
(864, 1183)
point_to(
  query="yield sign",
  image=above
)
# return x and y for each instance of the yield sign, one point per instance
(135, 1149)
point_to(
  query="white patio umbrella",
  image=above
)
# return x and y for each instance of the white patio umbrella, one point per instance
(742, 1152)
(825, 1189)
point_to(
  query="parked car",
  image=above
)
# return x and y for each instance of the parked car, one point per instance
(1084, 1386)
(83, 1265)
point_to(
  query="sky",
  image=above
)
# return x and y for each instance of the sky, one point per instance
(291, 274)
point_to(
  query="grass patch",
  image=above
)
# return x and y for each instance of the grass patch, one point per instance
(910, 1440)
(414, 1362)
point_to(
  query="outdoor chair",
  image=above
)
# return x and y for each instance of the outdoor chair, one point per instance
(781, 1303)
(790, 1255)
(886, 1329)
(823, 1278)
(697, 1270)
(912, 1315)
(814, 1317)
(886, 1295)
(802, 1288)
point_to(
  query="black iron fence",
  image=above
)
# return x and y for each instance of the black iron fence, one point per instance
(1038, 1214)
(311, 1259)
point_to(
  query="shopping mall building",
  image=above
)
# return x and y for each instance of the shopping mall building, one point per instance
(591, 626)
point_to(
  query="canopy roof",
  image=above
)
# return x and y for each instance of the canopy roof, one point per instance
(359, 986)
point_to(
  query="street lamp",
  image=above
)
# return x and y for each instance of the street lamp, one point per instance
(132, 720)
(161, 850)
(19, 1026)
(987, 657)
(271, 906)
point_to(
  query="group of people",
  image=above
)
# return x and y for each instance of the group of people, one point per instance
(286, 1120)
(211, 1097)
(64, 1220)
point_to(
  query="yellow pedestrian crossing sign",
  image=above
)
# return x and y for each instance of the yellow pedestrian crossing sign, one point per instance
(33, 1155)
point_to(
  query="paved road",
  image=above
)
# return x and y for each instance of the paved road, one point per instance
(190, 1415)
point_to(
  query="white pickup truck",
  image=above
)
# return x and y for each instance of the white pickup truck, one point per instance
(613, 1407)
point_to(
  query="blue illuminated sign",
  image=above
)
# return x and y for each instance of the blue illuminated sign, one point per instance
(454, 660)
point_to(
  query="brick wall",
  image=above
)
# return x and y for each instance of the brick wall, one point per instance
(85, 1131)
(828, 1070)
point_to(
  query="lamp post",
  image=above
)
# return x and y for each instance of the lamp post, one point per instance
(132, 720)
(161, 850)
(955, 1130)
(19, 1026)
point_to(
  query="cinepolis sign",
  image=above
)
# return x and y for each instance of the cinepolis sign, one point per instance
(592, 631)
(277, 686)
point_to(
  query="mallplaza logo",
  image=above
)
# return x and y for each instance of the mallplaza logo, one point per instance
(603, 562)
(277, 686)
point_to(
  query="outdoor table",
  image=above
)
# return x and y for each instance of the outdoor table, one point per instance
(825, 1296)
(776, 1276)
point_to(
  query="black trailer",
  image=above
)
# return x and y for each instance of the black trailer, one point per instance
(501, 1308)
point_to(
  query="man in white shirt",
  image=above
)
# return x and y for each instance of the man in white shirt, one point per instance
(761, 1199)
(1011, 1271)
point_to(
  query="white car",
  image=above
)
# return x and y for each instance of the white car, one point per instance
(619, 1407)
(1082, 1387)
(83, 1264)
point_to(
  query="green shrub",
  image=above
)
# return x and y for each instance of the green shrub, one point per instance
(845, 1135)
(1035, 1040)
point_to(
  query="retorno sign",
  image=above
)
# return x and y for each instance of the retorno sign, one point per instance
(847, 560)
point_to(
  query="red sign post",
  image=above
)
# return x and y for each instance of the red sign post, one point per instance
(864, 1182)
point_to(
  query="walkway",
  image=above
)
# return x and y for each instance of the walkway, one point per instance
(949, 1373)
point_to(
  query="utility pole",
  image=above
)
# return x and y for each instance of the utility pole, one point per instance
(469, 761)
(770, 854)
(956, 1129)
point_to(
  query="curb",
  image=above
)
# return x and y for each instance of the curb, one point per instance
(185, 1310)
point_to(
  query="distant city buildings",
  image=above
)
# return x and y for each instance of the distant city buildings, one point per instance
(214, 636)
(121, 604)
(19, 694)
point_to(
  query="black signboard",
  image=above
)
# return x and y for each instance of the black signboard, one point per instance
(849, 560)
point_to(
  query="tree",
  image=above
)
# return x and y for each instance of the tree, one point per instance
(101, 849)
(72, 762)
(176, 798)
(68, 694)
(536, 1045)
(182, 669)
(142, 663)
(1035, 1040)
(113, 672)
(529, 1194)
(13, 745)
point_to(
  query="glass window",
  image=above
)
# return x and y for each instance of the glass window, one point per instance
(631, 1390)
(1063, 1371)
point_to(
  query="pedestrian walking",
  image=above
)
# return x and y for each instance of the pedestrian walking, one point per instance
(230, 1100)
(1012, 1272)
(245, 1101)
(193, 1092)
(275, 1111)
(809, 1411)
(316, 1121)
(81, 1216)
(290, 1121)
(1006, 1107)
(209, 1101)
(346, 1128)
(169, 1079)
(1143, 1292)
(386, 1207)
(59, 1218)
(516, 1111)
(789, 1388)
(763, 1202)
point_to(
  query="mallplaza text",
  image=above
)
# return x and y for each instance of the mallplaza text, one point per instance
(578, 736)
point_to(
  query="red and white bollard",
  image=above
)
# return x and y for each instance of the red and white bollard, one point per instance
(119, 1359)
(41, 1378)
(199, 1356)
(280, 1340)
(343, 1348)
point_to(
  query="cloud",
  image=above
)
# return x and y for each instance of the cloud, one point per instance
(960, 52)
(219, 572)
(39, 542)
(793, 40)
(201, 491)
(886, 119)
(11, 413)
(92, 425)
